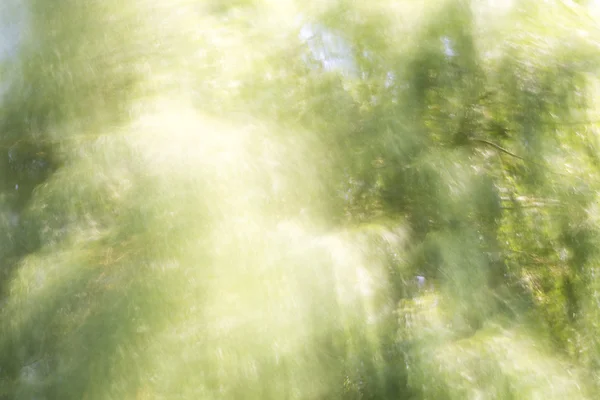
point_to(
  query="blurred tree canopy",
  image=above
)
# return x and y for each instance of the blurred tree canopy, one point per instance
(278, 199)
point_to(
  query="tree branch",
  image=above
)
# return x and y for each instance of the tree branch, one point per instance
(567, 123)
(497, 147)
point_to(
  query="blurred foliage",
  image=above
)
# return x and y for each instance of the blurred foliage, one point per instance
(277, 199)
